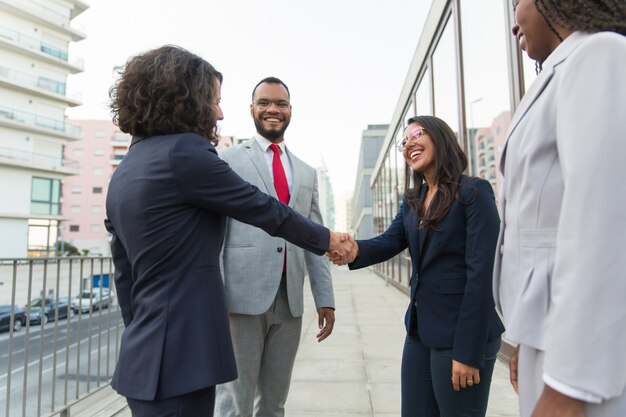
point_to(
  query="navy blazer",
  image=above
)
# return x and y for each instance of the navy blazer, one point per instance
(167, 204)
(451, 304)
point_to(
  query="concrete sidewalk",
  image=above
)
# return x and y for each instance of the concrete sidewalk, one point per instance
(356, 371)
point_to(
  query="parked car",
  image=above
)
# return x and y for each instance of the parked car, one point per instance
(51, 305)
(19, 320)
(95, 299)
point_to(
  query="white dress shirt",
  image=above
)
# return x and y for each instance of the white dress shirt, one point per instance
(269, 158)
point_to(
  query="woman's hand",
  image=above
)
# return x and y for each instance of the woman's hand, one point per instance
(513, 367)
(464, 376)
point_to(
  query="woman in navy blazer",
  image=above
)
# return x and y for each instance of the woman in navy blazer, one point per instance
(450, 224)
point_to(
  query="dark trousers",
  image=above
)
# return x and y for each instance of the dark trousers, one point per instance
(194, 404)
(426, 379)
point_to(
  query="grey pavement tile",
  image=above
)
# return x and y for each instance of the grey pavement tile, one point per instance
(322, 370)
(336, 397)
(329, 351)
(386, 397)
(383, 370)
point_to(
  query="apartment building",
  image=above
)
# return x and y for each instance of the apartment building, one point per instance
(100, 151)
(34, 64)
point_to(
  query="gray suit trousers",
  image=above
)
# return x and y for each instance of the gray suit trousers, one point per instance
(265, 350)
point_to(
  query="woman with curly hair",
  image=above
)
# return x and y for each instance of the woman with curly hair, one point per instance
(449, 222)
(167, 204)
(560, 277)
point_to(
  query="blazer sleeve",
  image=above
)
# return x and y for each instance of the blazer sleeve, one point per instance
(586, 337)
(209, 183)
(382, 247)
(482, 225)
(123, 274)
(318, 267)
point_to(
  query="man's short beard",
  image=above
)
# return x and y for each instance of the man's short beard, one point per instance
(269, 134)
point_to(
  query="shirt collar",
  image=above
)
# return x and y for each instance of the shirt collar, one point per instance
(265, 143)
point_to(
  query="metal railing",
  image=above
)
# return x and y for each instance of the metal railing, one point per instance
(36, 120)
(62, 339)
(42, 83)
(35, 44)
(37, 9)
(37, 158)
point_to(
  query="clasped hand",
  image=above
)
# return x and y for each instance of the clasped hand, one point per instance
(343, 248)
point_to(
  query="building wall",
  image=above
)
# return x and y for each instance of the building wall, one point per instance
(34, 64)
(477, 103)
(326, 196)
(84, 195)
(361, 204)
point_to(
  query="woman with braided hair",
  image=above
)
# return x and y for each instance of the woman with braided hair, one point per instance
(560, 273)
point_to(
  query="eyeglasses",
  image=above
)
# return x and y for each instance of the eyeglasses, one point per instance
(416, 133)
(264, 103)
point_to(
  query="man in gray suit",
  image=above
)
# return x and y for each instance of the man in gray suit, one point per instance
(264, 276)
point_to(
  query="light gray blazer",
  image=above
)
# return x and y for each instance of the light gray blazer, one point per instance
(560, 271)
(253, 260)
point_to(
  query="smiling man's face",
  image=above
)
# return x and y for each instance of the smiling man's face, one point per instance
(271, 111)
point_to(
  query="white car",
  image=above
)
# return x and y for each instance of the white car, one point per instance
(95, 299)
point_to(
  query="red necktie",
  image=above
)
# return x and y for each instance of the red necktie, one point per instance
(280, 179)
(280, 184)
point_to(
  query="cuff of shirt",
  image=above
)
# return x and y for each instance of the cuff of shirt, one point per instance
(571, 392)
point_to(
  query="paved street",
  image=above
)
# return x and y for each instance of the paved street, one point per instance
(356, 371)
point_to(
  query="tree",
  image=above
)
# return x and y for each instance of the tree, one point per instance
(66, 249)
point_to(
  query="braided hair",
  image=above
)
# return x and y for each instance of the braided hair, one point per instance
(584, 15)
(589, 16)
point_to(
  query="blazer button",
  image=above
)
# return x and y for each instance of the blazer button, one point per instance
(279, 249)
(501, 250)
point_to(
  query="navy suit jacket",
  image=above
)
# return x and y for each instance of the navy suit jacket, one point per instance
(451, 304)
(167, 204)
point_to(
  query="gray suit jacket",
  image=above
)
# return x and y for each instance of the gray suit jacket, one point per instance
(253, 260)
(560, 271)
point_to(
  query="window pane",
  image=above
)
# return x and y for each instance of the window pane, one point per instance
(486, 85)
(41, 189)
(422, 97)
(445, 78)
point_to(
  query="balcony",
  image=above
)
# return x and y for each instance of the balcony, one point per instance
(18, 119)
(51, 53)
(42, 86)
(35, 11)
(41, 162)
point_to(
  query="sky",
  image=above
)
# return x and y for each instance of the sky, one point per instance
(345, 62)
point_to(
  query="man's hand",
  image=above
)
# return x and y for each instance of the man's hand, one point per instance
(348, 250)
(513, 367)
(554, 404)
(325, 322)
(464, 376)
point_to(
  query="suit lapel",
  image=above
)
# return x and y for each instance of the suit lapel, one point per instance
(423, 233)
(296, 171)
(254, 151)
(539, 85)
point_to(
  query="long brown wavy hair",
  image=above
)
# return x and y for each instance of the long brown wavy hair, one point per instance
(164, 91)
(450, 162)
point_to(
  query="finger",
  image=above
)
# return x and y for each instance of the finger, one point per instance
(476, 378)
(323, 334)
(455, 382)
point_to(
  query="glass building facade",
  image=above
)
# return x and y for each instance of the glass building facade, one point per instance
(467, 70)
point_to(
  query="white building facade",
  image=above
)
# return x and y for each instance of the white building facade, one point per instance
(34, 64)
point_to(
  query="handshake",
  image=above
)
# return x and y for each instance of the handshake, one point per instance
(343, 248)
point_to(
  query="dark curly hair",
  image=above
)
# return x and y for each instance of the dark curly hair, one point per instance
(166, 90)
(584, 15)
(450, 162)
